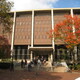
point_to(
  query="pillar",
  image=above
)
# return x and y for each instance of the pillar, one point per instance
(23, 53)
(51, 57)
(31, 56)
(75, 48)
(18, 53)
(58, 54)
(53, 44)
(32, 34)
(28, 52)
(13, 32)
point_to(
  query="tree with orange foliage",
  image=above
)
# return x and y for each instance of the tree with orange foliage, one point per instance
(4, 48)
(68, 31)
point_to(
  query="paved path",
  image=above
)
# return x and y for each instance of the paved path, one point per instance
(25, 75)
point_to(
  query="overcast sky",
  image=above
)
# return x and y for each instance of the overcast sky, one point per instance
(20, 5)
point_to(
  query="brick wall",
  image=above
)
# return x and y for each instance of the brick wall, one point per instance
(41, 27)
(58, 17)
(23, 28)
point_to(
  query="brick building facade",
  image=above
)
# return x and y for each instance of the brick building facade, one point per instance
(29, 33)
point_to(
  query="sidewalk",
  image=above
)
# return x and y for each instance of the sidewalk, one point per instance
(25, 75)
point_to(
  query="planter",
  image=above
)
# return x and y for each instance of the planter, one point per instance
(75, 71)
(4, 65)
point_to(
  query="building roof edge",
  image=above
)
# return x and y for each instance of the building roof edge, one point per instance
(45, 9)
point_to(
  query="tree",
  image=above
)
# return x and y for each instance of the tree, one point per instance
(4, 48)
(68, 31)
(5, 18)
(5, 27)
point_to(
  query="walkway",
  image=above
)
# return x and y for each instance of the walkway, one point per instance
(25, 75)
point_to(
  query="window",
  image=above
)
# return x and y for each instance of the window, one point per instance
(20, 55)
(20, 23)
(44, 37)
(21, 52)
(28, 37)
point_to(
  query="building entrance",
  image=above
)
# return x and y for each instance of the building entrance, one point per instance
(40, 54)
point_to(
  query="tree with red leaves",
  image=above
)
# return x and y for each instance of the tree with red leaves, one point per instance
(4, 48)
(68, 31)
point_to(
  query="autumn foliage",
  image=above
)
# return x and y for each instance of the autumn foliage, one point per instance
(4, 47)
(68, 31)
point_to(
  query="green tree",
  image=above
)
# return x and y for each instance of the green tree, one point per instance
(5, 18)
(5, 27)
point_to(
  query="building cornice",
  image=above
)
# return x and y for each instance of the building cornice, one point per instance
(45, 9)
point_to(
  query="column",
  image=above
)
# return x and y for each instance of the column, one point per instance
(72, 16)
(32, 34)
(51, 62)
(31, 56)
(75, 48)
(53, 44)
(28, 55)
(78, 58)
(14, 54)
(13, 32)
(18, 53)
(51, 57)
(23, 53)
(75, 51)
(58, 54)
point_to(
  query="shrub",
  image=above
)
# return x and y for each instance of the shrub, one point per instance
(78, 66)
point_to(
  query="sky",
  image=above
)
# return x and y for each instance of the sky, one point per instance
(20, 5)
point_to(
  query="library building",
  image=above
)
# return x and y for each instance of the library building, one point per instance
(29, 37)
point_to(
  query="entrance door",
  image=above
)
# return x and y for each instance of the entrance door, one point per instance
(40, 54)
(44, 56)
